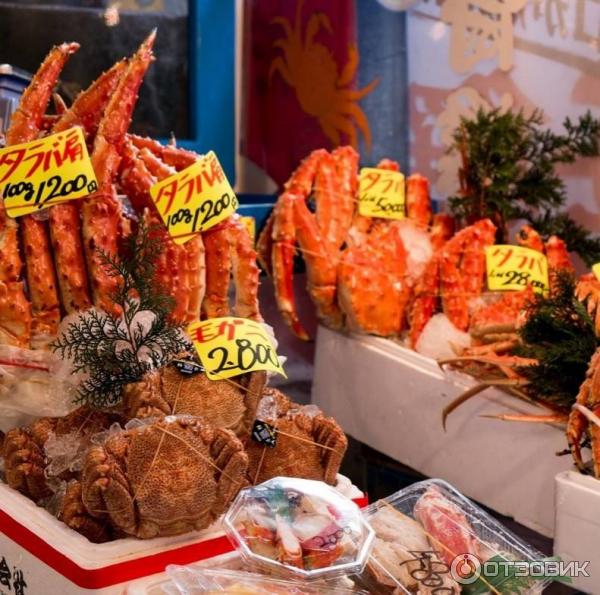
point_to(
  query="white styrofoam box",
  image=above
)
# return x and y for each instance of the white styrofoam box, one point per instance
(391, 398)
(55, 559)
(577, 529)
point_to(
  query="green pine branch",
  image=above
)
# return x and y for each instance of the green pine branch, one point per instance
(116, 350)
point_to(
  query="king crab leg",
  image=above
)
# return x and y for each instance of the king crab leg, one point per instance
(64, 220)
(171, 155)
(26, 125)
(101, 211)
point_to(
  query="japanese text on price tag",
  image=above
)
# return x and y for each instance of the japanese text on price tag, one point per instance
(45, 172)
(596, 270)
(381, 193)
(232, 346)
(511, 268)
(194, 199)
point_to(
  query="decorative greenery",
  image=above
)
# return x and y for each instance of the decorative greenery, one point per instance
(559, 333)
(114, 350)
(508, 173)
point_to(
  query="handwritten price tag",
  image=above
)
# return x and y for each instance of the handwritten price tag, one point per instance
(596, 270)
(45, 172)
(250, 225)
(511, 268)
(232, 346)
(194, 199)
(381, 193)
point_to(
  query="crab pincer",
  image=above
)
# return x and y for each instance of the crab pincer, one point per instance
(101, 211)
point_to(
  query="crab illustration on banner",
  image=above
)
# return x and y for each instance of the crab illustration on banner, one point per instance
(194, 199)
(45, 172)
(511, 268)
(301, 65)
(231, 346)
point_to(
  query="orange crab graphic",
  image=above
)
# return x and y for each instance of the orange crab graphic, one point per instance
(311, 70)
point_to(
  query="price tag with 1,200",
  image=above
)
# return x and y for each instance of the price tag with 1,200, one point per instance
(511, 268)
(232, 346)
(195, 199)
(45, 172)
(381, 193)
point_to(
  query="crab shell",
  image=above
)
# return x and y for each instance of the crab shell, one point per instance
(308, 446)
(166, 478)
(229, 404)
(23, 448)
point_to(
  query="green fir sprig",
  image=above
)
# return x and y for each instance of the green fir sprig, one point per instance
(115, 350)
(508, 173)
(559, 334)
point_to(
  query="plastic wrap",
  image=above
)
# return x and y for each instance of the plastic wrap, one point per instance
(298, 527)
(429, 538)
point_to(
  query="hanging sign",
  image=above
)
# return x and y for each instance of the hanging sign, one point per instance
(45, 172)
(194, 199)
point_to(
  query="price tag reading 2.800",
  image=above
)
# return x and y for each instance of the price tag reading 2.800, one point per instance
(232, 346)
(511, 268)
(381, 193)
(45, 172)
(194, 199)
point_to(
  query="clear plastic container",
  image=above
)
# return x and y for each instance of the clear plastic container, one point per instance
(195, 581)
(299, 528)
(430, 539)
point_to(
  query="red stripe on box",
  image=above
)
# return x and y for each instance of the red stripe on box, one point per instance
(122, 572)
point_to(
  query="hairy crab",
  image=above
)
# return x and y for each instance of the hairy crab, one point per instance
(164, 478)
(308, 444)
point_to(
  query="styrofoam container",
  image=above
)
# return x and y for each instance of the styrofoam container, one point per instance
(577, 537)
(54, 559)
(391, 398)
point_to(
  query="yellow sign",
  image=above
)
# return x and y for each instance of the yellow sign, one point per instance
(232, 346)
(250, 225)
(381, 193)
(194, 199)
(596, 270)
(45, 172)
(511, 268)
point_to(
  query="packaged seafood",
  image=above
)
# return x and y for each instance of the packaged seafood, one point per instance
(298, 528)
(430, 539)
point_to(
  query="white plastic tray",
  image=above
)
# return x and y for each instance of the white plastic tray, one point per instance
(391, 399)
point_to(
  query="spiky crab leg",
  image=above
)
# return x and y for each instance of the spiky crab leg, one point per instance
(418, 203)
(530, 238)
(64, 220)
(218, 271)
(171, 155)
(26, 125)
(101, 212)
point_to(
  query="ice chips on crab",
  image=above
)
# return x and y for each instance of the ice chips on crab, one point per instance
(440, 338)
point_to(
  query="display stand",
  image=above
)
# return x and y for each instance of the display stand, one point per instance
(391, 399)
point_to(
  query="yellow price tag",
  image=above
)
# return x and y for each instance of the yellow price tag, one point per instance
(232, 346)
(194, 199)
(511, 268)
(45, 172)
(381, 193)
(250, 224)
(596, 270)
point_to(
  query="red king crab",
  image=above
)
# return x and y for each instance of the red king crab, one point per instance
(196, 274)
(358, 269)
(308, 444)
(164, 478)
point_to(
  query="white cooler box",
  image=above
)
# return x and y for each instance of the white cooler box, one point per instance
(391, 398)
(46, 557)
(577, 536)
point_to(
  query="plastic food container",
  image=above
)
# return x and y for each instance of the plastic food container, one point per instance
(430, 538)
(299, 528)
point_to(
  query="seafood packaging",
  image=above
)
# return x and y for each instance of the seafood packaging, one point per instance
(430, 539)
(298, 528)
